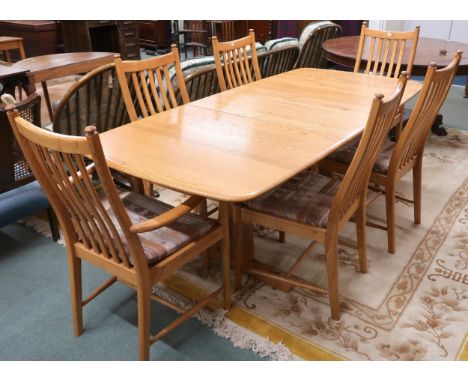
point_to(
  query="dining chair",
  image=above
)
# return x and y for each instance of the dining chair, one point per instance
(384, 51)
(395, 159)
(317, 207)
(146, 85)
(233, 61)
(8, 43)
(140, 241)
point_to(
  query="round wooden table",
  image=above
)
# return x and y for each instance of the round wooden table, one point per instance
(343, 51)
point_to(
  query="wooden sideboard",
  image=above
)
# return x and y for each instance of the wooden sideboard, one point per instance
(155, 34)
(102, 36)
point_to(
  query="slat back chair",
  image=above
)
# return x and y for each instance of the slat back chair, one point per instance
(150, 82)
(271, 210)
(311, 53)
(277, 61)
(232, 61)
(396, 159)
(96, 99)
(115, 238)
(385, 51)
(200, 84)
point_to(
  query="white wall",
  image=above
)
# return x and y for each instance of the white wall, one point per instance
(455, 30)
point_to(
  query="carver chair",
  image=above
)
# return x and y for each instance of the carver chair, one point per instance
(395, 159)
(138, 240)
(317, 207)
(233, 61)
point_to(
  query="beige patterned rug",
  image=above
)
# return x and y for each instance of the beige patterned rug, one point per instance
(412, 305)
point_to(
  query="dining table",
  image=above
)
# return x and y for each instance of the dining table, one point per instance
(238, 144)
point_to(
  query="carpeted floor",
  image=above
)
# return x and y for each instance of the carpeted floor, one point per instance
(35, 314)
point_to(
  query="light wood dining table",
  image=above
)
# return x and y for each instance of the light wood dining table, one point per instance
(238, 144)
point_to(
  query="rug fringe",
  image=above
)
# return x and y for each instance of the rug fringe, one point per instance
(240, 337)
(40, 226)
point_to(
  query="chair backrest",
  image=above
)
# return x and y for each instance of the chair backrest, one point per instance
(96, 99)
(277, 61)
(150, 82)
(384, 51)
(354, 184)
(232, 61)
(435, 88)
(200, 84)
(14, 170)
(58, 163)
(310, 43)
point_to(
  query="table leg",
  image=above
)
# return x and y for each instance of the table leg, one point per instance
(47, 99)
(224, 212)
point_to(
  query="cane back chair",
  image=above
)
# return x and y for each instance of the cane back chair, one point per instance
(139, 240)
(397, 158)
(233, 62)
(317, 207)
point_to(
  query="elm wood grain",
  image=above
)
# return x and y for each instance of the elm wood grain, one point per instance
(251, 138)
(408, 152)
(348, 200)
(52, 66)
(91, 235)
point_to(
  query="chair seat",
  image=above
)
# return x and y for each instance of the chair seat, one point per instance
(162, 242)
(306, 198)
(346, 154)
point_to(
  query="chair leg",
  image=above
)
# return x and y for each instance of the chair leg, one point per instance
(417, 180)
(282, 236)
(390, 200)
(248, 242)
(361, 236)
(332, 275)
(53, 222)
(76, 294)
(144, 323)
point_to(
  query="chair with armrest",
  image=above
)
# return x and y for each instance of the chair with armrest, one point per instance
(397, 158)
(139, 240)
(20, 194)
(316, 207)
(310, 43)
(233, 61)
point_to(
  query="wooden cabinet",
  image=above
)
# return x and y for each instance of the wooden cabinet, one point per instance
(39, 37)
(263, 29)
(102, 36)
(155, 34)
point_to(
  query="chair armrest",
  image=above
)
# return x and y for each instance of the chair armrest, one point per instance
(167, 217)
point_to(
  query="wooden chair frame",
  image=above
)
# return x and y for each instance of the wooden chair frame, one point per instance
(349, 200)
(382, 62)
(16, 43)
(232, 61)
(409, 149)
(144, 75)
(90, 235)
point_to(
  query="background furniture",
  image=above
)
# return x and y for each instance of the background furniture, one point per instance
(44, 68)
(102, 36)
(11, 43)
(155, 35)
(39, 37)
(11, 77)
(194, 36)
(124, 238)
(310, 43)
(20, 194)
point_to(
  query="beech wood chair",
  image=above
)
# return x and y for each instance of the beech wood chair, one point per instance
(395, 159)
(150, 82)
(233, 62)
(139, 240)
(317, 207)
(385, 50)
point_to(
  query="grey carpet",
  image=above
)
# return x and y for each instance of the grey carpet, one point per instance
(35, 315)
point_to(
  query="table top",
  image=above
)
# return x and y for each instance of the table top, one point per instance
(5, 39)
(343, 50)
(51, 66)
(238, 144)
(6, 70)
